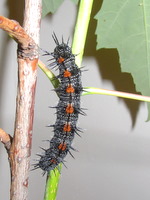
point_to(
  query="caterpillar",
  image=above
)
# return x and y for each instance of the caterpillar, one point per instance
(68, 108)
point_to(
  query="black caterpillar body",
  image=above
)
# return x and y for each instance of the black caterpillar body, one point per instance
(68, 108)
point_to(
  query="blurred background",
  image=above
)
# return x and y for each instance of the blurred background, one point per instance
(113, 161)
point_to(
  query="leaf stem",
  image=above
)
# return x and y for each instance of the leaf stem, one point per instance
(93, 90)
(49, 74)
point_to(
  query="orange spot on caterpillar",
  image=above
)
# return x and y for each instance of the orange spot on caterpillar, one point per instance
(69, 109)
(60, 60)
(62, 146)
(67, 73)
(70, 89)
(67, 128)
(53, 161)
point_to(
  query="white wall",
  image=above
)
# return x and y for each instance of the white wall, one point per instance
(113, 162)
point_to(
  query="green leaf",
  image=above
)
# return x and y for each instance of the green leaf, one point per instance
(75, 1)
(125, 25)
(50, 6)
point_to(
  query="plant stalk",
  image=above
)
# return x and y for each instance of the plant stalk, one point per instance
(81, 29)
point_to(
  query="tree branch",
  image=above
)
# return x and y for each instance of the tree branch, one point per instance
(16, 31)
(20, 149)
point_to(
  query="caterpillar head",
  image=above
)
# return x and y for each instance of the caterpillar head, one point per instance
(62, 51)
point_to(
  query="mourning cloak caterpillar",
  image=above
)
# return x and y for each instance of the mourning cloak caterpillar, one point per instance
(68, 108)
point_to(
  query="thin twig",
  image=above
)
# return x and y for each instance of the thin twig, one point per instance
(14, 29)
(5, 139)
